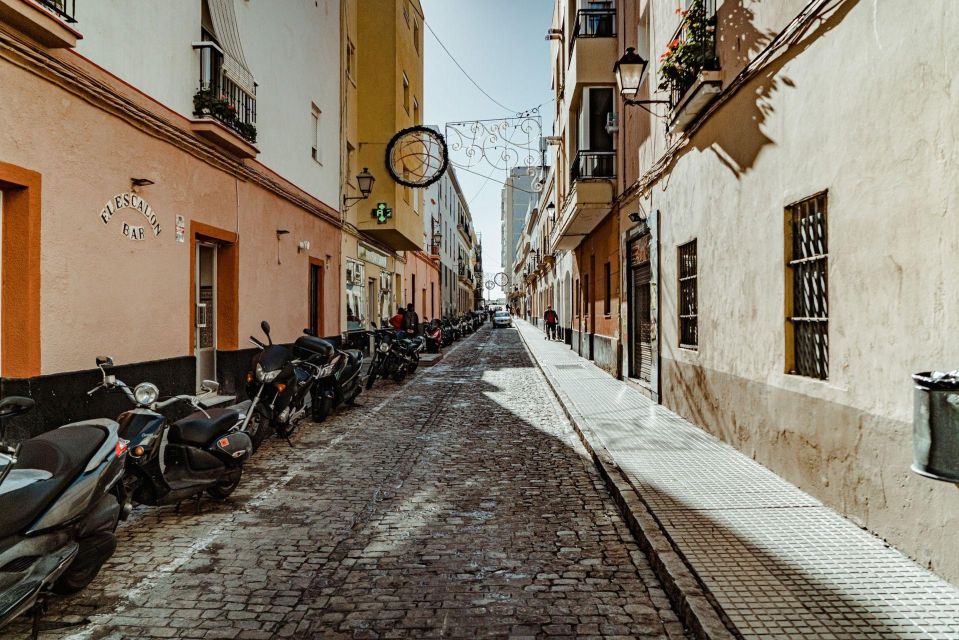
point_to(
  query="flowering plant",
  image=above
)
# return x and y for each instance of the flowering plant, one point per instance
(691, 50)
(208, 103)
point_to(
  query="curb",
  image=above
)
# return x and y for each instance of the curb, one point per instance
(690, 602)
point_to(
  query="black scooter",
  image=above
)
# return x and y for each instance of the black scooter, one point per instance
(169, 462)
(342, 385)
(61, 498)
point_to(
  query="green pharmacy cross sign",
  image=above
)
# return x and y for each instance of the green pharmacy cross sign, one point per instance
(382, 213)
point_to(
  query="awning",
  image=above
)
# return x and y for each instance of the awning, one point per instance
(228, 37)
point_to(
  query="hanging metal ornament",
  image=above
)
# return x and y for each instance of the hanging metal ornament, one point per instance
(501, 144)
(501, 279)
(417, 156)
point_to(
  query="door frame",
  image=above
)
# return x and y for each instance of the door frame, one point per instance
(320, 291)
(227, 285)
(198, 248)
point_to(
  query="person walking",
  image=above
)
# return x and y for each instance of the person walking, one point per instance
(551, 320)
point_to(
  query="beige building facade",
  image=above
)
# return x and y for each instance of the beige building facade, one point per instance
(803, 205)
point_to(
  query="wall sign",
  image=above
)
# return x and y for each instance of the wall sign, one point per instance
(135, 202)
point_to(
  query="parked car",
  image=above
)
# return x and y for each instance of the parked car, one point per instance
(502, 319)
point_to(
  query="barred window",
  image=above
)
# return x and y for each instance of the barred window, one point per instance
(688, 298)
(807, 300)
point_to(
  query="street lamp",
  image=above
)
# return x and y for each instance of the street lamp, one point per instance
(364, 181)
(629, 71)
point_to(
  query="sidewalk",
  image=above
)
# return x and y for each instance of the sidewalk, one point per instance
(742, 552)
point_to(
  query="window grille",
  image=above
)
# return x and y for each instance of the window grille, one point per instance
(807, 310)
(688, 296)
(607, 302)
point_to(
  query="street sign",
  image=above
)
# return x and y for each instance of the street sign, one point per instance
(382, 213)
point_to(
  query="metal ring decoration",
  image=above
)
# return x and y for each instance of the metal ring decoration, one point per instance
(417, 156)
(490, 285)
(501, 279)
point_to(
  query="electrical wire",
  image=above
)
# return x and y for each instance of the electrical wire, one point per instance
(468, 76)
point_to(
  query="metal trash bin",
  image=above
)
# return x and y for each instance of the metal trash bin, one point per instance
(935, 425)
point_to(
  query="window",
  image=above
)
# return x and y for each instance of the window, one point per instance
(416, 111)
(315, 134)
(406, 93)
(350, 60)
(406, 13)
(607, 303)
(807, 300)
(416, 36)
(688, 303)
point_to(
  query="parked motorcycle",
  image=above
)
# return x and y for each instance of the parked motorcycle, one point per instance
(433, 332)
(388, 357)
(61, 499)
(281, 384)
(342, 384)
(169, 462)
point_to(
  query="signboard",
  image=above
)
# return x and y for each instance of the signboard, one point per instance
(131, 201)
(382, 213)
(639, 251)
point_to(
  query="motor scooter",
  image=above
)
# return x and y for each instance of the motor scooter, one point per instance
(169, 462)
(61, 498)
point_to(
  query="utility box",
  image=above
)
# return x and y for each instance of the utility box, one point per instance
(935, 434)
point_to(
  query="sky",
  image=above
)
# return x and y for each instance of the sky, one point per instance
(502, 45)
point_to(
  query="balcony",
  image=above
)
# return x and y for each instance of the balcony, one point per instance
(592, 49)
(593, 23)
(689, 69)
(46, 21)
(589, 199)
(226, 111)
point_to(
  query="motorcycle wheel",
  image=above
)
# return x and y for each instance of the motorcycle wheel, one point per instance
(223, 491)
(257, 428)
(94, 550)
(399, 373)
(371, 376)
(414, 365)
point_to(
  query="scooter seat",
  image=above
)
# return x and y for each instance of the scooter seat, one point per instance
(199, 430)
(63, 453)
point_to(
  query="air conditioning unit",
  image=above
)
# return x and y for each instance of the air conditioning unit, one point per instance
(612, 123)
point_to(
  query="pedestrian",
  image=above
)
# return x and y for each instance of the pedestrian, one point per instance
(411, 321)
(397, 320)
(551, 320)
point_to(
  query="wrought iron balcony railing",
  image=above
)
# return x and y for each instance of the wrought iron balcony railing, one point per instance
(593, 164)
(65, 9)
(221, 98)
(691, 50)
(593, 23)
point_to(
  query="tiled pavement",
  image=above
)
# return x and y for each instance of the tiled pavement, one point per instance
(458, 504)
(775, 562)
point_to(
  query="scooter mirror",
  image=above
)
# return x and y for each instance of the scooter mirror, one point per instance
(104, 360)
(309, 332)
(266, 327)
(15, 405)
(210, 386)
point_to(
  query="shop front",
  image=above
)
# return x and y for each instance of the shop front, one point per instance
(125, 235)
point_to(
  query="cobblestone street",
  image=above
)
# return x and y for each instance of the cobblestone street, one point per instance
(458, 504)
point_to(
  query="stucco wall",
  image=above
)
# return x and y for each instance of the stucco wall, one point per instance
(833, 114)
(292, 52)
(102, 293)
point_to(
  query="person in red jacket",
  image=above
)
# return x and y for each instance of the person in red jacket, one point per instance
(397, 320)
(551, 320)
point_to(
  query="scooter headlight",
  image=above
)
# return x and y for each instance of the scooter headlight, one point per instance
(146, 393)
(266, 376)
(325, 371)
(384, 347)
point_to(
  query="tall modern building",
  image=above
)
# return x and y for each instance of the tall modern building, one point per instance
(516, 196)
